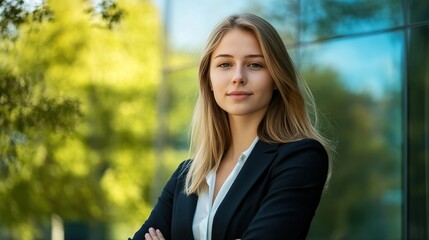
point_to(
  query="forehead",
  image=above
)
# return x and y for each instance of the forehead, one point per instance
(237, 42)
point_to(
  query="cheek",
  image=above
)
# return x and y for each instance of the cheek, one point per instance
(267, 96)
(267, 86)
(217, 83)
(268, 92)
(217, 93)
(214, 87)
(212, 79)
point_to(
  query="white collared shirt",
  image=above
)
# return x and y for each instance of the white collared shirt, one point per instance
(205, 211)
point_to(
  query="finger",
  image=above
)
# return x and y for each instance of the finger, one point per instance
(159, 234)
(147, 237)
(153, 234)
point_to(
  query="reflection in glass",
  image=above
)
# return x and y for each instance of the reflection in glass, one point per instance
(322, 19)
(419, 10)
(418, 133)
(283, 15)
(357, 85)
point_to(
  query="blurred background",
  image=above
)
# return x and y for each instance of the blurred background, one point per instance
(96, 98)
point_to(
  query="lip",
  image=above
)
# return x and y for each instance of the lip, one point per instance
(239, 94)
(234, 93)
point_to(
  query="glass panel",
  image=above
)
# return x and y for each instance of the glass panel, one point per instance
(323, 19)
(418, 129)
(419, 10)
(190, 22)
(284, 15)
(357, 86)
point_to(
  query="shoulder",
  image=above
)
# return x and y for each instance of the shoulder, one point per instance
(307, 145)
(178, 177)
(303, 152)
(182, 169)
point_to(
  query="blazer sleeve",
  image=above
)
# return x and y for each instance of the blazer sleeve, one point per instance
(297, 179)
(160, 217)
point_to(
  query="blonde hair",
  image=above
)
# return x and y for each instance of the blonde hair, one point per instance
(287, 118)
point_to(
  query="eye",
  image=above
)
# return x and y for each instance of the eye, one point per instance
(224, 65)
(255, 65)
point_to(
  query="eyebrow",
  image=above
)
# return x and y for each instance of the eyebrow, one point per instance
(247, 56)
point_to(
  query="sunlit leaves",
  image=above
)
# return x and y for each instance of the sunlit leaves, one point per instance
(78, 115)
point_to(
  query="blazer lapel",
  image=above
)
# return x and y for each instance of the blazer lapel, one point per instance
(260, 158)
(185, 210)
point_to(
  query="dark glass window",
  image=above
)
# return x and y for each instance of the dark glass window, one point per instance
(357, 86)
(283, 15)
(324, 19)
(419, 10)
(418, 133)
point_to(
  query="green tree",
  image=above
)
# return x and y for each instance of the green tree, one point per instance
(356, 204)
(78, 119)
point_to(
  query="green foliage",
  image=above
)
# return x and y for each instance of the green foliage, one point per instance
(111, 13)
(13, 13)
(183, 90)
(26, 112)
(361, 200)
(77, 116)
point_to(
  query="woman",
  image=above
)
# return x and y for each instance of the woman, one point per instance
(259, 166)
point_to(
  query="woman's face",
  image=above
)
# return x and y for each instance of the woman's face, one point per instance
(241, 83)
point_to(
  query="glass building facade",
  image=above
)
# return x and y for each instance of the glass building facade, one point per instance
(367, 63)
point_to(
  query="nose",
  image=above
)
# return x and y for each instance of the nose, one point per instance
(239, 76)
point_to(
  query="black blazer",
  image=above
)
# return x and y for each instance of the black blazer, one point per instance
(274, 196)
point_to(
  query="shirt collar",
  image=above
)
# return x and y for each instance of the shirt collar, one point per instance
(241, 159)
(247, 153)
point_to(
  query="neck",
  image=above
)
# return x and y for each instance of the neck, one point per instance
(243, 132)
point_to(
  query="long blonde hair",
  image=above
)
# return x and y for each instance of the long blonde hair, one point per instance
(287, 118)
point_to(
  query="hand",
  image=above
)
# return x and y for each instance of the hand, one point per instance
(154, 235)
